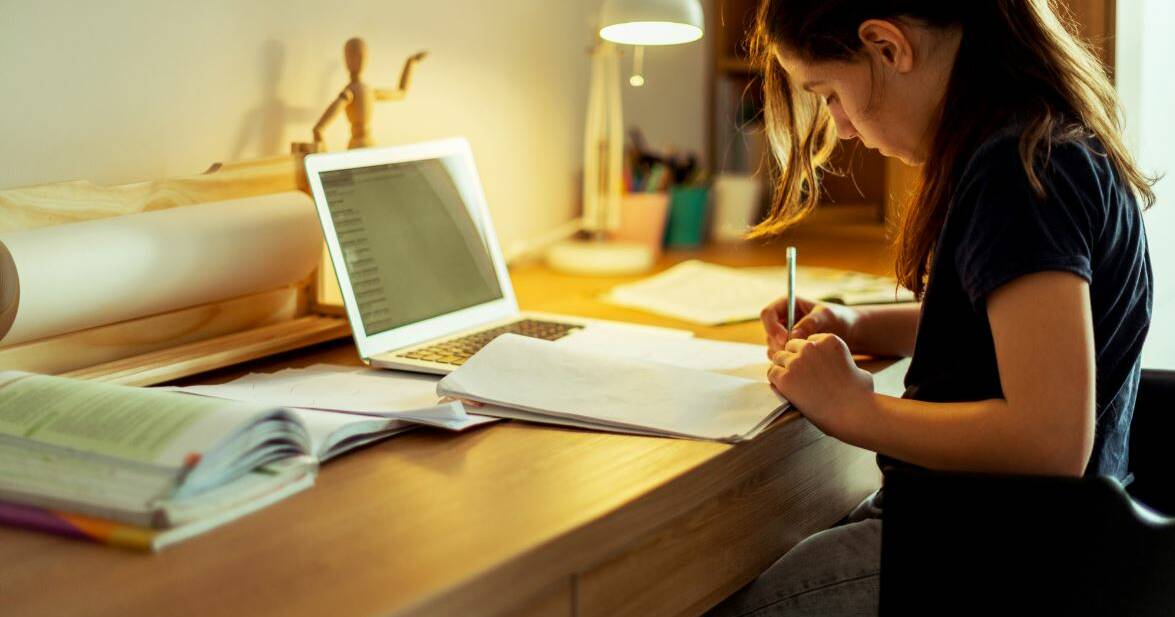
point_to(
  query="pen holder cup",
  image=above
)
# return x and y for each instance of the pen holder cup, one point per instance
(687, 217)
(737, 199)
(642, 219)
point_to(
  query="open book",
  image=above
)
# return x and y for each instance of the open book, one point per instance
(155, 459)
(711, 294)
(531, 379)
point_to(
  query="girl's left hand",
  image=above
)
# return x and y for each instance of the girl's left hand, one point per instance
(819, 377)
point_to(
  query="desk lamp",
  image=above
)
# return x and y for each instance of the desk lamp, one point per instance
(622, 22)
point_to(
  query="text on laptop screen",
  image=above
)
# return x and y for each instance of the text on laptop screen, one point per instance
(411, 249)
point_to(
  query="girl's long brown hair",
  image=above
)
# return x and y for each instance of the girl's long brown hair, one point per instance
(1018, 62)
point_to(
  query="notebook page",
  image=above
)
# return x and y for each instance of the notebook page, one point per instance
(738, 359)
(542, 377)
(699, 292)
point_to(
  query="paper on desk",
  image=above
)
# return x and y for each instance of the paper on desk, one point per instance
(611, 392)
(710, 294)
(699, 292)
(332, 433)
(375, 393)
(738, 359)
(833, 285)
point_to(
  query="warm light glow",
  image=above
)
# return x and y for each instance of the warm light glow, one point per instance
(636, 81)
(651, 33)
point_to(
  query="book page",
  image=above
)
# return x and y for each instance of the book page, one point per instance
(347, 390)
(128, 423)
(329, 429)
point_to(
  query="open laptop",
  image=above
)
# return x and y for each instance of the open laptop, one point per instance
(422, 277)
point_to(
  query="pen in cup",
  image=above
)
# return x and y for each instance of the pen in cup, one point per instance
(791, 289)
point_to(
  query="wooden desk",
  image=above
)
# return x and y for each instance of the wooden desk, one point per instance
(513, 519)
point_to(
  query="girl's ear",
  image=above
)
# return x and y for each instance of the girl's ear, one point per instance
(888, 42)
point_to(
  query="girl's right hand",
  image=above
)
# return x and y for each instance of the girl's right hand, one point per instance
(811, 318)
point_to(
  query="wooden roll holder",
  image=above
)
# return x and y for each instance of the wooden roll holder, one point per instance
(167, 346)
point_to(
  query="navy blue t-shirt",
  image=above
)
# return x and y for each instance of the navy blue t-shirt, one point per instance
(998, 229)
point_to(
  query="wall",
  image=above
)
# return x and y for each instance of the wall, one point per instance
(1144, 49)
(670, 108)
(126, 90)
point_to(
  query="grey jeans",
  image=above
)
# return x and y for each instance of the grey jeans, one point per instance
(831, 573)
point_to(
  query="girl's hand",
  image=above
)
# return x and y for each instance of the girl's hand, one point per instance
(819, 377)
(811, 318)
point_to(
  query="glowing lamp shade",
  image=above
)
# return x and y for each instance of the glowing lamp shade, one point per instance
(651, 22)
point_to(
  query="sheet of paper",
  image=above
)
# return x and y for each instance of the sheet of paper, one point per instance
(710, 294)
(70, 277)
(739, 359)
(386, 394)
(699, 292)
(830, 284)
(613, 392)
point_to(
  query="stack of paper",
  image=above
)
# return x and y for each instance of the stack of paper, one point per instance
(709, 294)
(536, 380)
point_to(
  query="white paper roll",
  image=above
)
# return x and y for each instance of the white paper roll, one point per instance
(71, 277)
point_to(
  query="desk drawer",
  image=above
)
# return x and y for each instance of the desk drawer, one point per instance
(722, 544)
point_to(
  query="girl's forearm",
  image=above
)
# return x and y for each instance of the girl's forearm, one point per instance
(980, 436)
(885, 330)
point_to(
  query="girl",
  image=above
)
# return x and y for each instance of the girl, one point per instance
(1024, 243)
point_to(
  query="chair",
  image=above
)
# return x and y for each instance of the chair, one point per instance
(972, 544)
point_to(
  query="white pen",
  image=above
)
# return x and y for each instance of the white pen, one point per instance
(791, 289)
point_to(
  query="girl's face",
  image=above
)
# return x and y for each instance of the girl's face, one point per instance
(889, 96)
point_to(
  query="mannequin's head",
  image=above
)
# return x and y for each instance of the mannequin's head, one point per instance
(355, 53)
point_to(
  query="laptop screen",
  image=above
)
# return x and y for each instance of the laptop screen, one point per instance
(411, 248)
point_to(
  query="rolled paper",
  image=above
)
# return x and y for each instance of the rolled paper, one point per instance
(71, 277)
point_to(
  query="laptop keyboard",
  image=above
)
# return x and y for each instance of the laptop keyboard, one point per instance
(457, 351)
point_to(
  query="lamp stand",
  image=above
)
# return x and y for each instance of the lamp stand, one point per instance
(603, 181)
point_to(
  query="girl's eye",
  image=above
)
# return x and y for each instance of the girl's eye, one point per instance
(830, 99)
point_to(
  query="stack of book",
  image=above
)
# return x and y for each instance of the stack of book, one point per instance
(145, 468)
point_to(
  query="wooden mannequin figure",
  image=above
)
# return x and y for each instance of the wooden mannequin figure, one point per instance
(359, 97)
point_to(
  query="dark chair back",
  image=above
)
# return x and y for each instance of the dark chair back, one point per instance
(1152, 442)
(960, 544)
(972, 544)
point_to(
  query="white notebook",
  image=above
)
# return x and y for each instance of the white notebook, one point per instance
(531, 379)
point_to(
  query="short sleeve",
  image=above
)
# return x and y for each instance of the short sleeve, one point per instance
(1010, 231)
